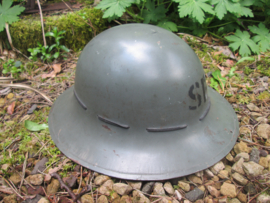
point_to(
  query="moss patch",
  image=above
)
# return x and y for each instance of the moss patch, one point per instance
(27, 32)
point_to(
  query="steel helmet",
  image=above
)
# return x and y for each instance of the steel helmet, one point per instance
(140, 108)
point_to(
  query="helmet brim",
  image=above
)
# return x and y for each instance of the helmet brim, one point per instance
(123, 154)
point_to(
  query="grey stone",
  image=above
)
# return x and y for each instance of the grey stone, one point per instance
(244, 155)
(99, 180)
(255, 155)
(252, 169)
(36, 179)
(158, 189)
(138, 197)
(209, 173)
(238, 166)
(87, 199)
(125, 199)
(263, 153)
(263, 130)
(106, 188)
(194, 195)
(253, 107)
(249, 188)
(228, 189)
(71, 181)
(178, 195)
(217, 167)
(43, 200)
(53, 187)
(234, 200)
(102, 199)
(184, 186)
(213, 191)
(135, 185)
(148, 187)
(169, 188)
(40, 166)
(15, 178)
(122, 188)
(239, 179)
(10, 199)
(263, 198)
(34, 200)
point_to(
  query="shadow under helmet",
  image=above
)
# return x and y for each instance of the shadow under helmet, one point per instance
(140, 108)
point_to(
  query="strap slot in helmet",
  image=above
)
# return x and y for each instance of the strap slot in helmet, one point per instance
(79, 100)
(112, 122)
(206, 111)
(166, 129)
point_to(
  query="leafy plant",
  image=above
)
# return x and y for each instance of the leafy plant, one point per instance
(12, 67)
(195, 9)
(262, 38)
(45, 52)
(9, 14)
(217, 80)
(57, 36)
(242, 41)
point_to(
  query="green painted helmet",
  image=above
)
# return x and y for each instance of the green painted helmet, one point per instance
(140, 108)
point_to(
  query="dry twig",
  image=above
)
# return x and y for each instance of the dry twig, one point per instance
(74, 197)
(23, 86)
(42, 24)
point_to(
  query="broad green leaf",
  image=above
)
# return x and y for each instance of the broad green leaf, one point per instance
(56, 55)
(114, 7)
(168, 25)
(242, 41)
(9, 14)
(224, 6)
(214, 84)
(152, 13)
(32, 126)
(194, 8)
(217, 75)
(262, 37)
(245, 59)
(49, 34)
(64, 48)
(244, 10)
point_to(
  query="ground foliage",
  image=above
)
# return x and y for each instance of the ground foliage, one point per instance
(21, 133)
(218, 17)
(27, 32)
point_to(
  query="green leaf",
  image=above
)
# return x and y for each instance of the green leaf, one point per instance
(32, 126)
(56, 55)
(262, 38)
(152, 14)
(9, 14)
(49, 34)
(217, 75)
(231, 73)
(224, 6)
(114, 7)
(245, 59)
(238, 7)
(64, 48)
(18, 64)
(168, 25)
(51, 47)
(194, 8)
(214, 84)
(242, 41)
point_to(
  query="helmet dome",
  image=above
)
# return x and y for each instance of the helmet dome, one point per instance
(140, 108)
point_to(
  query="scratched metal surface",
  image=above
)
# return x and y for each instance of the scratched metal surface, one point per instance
(140, 109)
